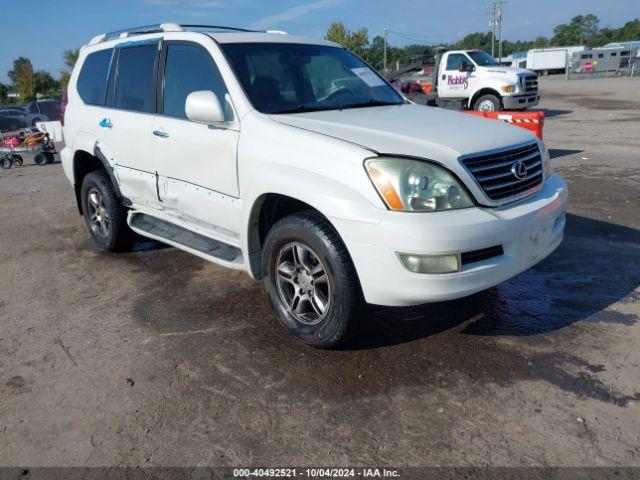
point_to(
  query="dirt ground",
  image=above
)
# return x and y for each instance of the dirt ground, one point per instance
(157, 358)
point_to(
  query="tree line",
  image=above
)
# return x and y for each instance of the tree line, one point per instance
(581, 30)
(29, 83)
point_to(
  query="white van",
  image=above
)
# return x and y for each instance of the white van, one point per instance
(293, 160)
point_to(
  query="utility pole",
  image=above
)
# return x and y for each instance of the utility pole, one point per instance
(492, 25)
(500, 30)
(384, 62)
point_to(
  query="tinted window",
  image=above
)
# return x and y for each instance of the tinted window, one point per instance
(93, 77)
(483, 59)
(188, 68)
(135, 84)
(454, 61)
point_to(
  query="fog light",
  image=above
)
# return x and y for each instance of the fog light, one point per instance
(431, 263)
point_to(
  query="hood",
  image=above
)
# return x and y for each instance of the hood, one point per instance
(411, 130)
(501, 70)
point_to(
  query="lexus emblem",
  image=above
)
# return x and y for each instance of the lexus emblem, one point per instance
(519, 170)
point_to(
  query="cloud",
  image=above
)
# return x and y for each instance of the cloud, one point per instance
(292, 13)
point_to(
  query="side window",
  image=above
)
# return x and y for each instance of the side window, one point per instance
(92, 80)
(454, 60)
(188, 68)
(614, 54)
(135, 84)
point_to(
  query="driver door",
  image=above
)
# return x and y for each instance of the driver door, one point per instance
(452, 82)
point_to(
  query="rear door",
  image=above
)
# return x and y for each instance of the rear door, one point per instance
(196, 163)
(127, 123)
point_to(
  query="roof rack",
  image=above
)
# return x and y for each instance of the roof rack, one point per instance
(158, 28)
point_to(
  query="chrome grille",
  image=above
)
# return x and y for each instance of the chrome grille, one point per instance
(494, 171)
(531, 84)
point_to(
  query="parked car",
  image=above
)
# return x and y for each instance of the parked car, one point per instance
(30, 119)
(46, 109)
(232, 150)
(9, 123)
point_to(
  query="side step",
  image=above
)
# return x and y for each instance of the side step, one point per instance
(181, 237)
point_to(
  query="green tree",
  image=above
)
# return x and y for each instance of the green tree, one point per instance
(577, 32)
(44, 83)
(22, 77)
(71, 57)
(356, 42)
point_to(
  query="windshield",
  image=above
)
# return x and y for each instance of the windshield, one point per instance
(294, 78)
(483, 59)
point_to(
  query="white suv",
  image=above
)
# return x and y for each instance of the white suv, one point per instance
(293, 160)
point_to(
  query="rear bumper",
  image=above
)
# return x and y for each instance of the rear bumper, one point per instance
(528, 230)
(513, 102)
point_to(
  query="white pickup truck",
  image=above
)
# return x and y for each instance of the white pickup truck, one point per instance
(480, 82)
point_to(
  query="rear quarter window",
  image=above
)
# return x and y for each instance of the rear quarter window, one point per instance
(92, 80)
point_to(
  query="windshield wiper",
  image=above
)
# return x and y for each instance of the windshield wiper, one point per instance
(298, 109)
(368, 103)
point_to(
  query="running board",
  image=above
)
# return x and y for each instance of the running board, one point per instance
(184, 239)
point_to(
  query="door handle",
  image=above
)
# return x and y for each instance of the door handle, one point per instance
(105, 123)
(160, 134)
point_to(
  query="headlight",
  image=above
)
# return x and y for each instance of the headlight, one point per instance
(416, 186)
(547, 169)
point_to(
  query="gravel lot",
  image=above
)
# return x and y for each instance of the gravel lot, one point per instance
(157, 358)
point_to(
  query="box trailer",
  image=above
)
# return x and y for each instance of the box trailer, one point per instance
(550, 60)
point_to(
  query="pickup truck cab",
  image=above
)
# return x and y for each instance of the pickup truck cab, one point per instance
(292, 160)
(483, 83)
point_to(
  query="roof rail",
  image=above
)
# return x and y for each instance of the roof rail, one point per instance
(127, 32)
(157, 28)
(218, 27)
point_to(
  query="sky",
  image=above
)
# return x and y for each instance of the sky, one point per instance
(57, 25)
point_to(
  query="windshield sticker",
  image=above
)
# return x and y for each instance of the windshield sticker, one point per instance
(368, 77)
(458, 80)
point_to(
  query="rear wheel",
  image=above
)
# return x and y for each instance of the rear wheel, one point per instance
(104, 214)
(310, 280)
(487, 103)
(17, 159)
(40, 159)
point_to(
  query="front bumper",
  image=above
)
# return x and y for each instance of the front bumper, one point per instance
(513, 102)
(528, 230)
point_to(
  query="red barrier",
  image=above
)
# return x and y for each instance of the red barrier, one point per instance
(533, 121)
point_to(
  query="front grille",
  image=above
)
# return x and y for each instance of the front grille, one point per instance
(482, 254)
(531, 85)
(494, 171)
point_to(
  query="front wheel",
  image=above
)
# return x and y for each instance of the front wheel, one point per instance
(487, 103)
(310, 280)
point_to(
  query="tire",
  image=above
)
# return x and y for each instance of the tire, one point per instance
(6, 163)
(109, 230)
(487, 103)
(17, 159)
(40, 159)
(50, 157)
(341, 294)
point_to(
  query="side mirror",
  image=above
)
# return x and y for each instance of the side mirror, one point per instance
(204, 106)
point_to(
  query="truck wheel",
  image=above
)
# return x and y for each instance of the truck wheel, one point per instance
(487, 103)
(104, 214)
(310, 280)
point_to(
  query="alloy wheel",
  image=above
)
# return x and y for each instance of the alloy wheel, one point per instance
(303, 284)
